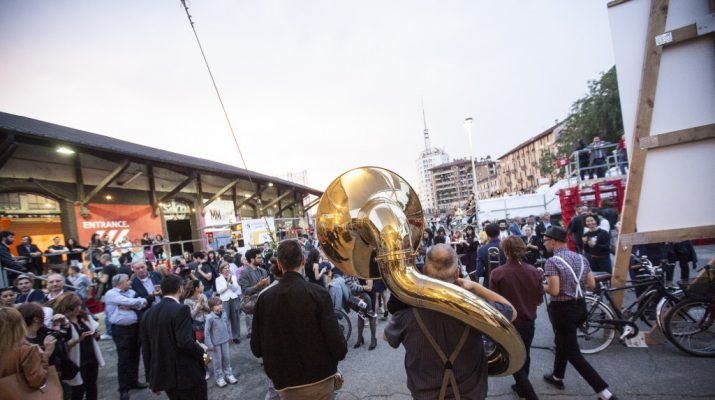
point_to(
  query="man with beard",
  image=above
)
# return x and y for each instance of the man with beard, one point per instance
(252, 280)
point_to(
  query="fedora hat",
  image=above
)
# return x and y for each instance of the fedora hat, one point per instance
(557, 233)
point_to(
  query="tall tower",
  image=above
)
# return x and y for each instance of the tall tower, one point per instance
(429, 157)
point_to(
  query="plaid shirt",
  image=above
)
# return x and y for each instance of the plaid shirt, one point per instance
(567, 283)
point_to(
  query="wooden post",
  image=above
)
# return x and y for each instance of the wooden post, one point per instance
(152, 190)
(644, 117)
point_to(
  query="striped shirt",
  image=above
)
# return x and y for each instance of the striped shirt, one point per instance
(567, 283)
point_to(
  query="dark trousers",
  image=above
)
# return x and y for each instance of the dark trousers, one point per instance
(565, 318)
(195, 393)
(88, 389)
(600, 264)
(126, 338)
(523, 385)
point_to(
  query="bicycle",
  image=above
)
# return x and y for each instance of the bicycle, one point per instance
(344, 324)
(690, 324)
(604, 319)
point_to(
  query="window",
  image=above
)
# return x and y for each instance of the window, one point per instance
(10, 201)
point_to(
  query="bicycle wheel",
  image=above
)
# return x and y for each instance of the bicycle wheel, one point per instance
(594, 335)
(690, 327)
(344, 324)
(664, 306)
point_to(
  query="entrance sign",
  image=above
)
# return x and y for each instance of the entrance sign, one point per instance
(219, 213)
(117, 221)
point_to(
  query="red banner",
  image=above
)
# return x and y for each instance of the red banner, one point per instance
(117, 221)
(563, 161)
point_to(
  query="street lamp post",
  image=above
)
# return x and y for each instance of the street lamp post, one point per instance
(468, 124)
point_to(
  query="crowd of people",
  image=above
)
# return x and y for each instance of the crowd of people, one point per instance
(183, 315)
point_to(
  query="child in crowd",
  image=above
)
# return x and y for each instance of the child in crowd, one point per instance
(217, 335)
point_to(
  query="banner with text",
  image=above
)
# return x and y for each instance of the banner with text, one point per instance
(117, 221)
(256, 232)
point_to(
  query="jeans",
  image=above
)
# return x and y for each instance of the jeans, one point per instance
(565, 318)
(126, 338)
(523, 385)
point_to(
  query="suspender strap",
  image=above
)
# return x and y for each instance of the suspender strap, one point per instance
(579, 292)
(448, 378)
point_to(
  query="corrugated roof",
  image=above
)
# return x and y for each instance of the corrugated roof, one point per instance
(25, 126)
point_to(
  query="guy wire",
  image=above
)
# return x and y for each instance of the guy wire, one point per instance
(225, 113)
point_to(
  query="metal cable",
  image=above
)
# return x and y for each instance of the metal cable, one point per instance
(225, 113)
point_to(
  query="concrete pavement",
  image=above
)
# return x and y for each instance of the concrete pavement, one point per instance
(660, 372)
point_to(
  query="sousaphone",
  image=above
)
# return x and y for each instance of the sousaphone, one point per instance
(370, 222)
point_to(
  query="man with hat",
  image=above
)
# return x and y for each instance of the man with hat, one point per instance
(568, 276)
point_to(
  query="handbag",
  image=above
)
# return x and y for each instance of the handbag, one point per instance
(248, 303)
(14, 387)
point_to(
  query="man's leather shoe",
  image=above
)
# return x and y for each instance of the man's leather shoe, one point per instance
(557, 383)
(140, 385)
(123, 395)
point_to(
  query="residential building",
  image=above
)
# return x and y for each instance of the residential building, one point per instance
(452, 184)
(429, 157)
(488, 184)
(519, 168)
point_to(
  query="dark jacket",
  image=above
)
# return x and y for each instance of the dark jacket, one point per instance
(8, 260)
(296, 332)
(138, 287)
(23, 251)
(483, 257)
(169, 347)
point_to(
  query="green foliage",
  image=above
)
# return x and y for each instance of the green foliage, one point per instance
(547, 163)
(596, 114)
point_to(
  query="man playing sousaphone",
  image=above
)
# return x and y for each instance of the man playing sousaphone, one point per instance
(441, 365)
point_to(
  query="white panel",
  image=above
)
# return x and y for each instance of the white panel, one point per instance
(679, 181)
(678, 187)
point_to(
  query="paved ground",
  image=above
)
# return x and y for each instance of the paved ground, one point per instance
(659, 372)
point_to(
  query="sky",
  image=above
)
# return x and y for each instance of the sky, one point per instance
(322, 86)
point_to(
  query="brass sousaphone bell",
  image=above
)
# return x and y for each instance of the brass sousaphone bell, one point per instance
(370, 222)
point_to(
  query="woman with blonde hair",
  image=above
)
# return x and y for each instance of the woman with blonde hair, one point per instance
(229, 291)
(19, 357)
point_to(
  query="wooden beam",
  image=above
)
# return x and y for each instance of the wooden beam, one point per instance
(679, 35)
(689, 135)
(152, 190)
(6, 153)
(669, 235)
(106, 181)
(220, 193)
(644, 119)
(178, 188)
(234, 200)
(311, 204)
(278, 199)
(245, 200)
(280, 211)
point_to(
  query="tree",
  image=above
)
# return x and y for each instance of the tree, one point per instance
(597, 113)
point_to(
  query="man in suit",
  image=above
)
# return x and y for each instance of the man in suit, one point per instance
(169, 347)
(302, 333)
(146, 285)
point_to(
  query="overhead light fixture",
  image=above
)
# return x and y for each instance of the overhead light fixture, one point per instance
(193, 210)
(48, 205)
(270, 183)
(247, 195)
(65, 150)
(108, 197)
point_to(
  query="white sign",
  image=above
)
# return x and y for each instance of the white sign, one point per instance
(218, 213)
(256, 231)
